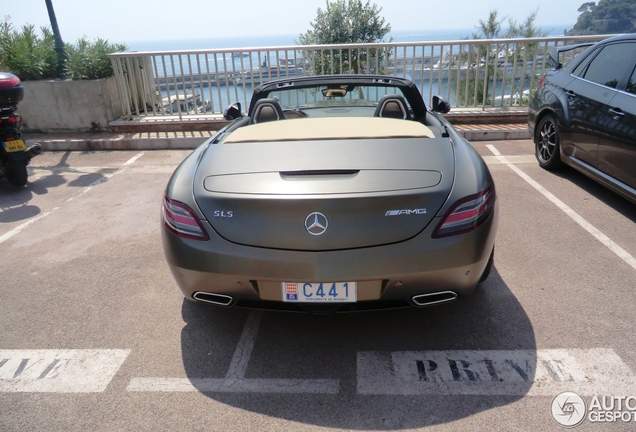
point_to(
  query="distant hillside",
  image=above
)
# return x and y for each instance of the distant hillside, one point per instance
(608, 16)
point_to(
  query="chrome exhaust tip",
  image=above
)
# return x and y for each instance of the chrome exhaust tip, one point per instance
(435, 298)
(217, 299)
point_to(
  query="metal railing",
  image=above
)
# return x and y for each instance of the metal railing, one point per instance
(201, 83)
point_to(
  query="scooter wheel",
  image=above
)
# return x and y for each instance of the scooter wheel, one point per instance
(17, 173)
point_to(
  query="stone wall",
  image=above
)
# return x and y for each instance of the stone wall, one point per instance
(69, 106)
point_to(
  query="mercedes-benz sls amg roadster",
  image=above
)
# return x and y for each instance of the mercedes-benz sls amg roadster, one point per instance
(332, 193)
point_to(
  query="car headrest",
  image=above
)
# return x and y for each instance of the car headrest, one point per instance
(266, 110)
(392, 106)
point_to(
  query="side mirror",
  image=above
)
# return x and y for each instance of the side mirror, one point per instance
(233, 112)
(440, 105)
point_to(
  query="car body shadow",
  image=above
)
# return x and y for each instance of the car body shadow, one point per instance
(598, 191)
(301, 347)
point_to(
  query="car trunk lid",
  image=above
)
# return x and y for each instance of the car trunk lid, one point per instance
(324, 194)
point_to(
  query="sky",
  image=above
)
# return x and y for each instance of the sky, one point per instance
(125, 21)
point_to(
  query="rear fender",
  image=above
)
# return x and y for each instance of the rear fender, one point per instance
(554, 100)
(471, 172)
(180, 185)
(558, 108)
(14, 156)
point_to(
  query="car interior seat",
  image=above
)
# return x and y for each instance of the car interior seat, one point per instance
(393, 106)
(266, 110)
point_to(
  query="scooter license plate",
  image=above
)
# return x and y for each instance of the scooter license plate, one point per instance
(14, 146)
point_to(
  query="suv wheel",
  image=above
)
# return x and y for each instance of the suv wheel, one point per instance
(547, 143)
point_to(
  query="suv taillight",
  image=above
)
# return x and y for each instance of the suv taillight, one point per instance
(541, 82)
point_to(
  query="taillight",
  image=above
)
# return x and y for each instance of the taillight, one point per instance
(467, 214)
(13, 121)
(8, 81)
(541, 82)
(181, 220)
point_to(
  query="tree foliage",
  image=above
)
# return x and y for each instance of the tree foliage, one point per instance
(33, 57)
(493, 27)
(346, 22)
(608, 16)
(488, 56)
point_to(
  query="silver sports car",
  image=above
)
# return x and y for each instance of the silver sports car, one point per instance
(333, 193)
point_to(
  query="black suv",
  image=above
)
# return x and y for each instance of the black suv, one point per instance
(584, 114)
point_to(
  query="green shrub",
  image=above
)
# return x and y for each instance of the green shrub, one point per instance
(33, 57)
(27, 55)
(89, 60)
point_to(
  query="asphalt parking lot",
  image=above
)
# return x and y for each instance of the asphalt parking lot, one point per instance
(95, 335)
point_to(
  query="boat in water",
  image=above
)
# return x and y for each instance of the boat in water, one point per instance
(187, 103)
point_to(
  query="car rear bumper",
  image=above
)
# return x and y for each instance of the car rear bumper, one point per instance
(388, 275)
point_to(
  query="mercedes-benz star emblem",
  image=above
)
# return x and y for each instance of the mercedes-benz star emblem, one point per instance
(316, 223)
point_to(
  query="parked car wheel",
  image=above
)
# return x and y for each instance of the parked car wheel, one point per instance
(547, 144)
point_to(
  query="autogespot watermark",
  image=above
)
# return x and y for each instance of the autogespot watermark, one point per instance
(570, 409)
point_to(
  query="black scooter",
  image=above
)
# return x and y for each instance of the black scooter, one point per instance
(14, 154)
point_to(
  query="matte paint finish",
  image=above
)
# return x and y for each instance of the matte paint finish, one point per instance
(382, 198)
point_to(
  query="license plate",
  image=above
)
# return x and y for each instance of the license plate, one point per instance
(316, 292)
(14, 146)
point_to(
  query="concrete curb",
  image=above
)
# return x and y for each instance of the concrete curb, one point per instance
(119, 141)
(493, 132)
(502, 135)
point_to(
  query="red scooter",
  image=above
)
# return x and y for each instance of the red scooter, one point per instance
(14, 154)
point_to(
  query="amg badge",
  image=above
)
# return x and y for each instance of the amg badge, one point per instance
(405, 212)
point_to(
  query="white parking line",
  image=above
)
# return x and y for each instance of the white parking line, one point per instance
(493, 373)
(545, 372)
(220, 385)
(6, 236)
(235, 381)
(107, 176)
(243, 351)
(609, 243)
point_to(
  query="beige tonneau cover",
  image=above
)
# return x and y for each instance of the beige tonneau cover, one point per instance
(329, 128)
